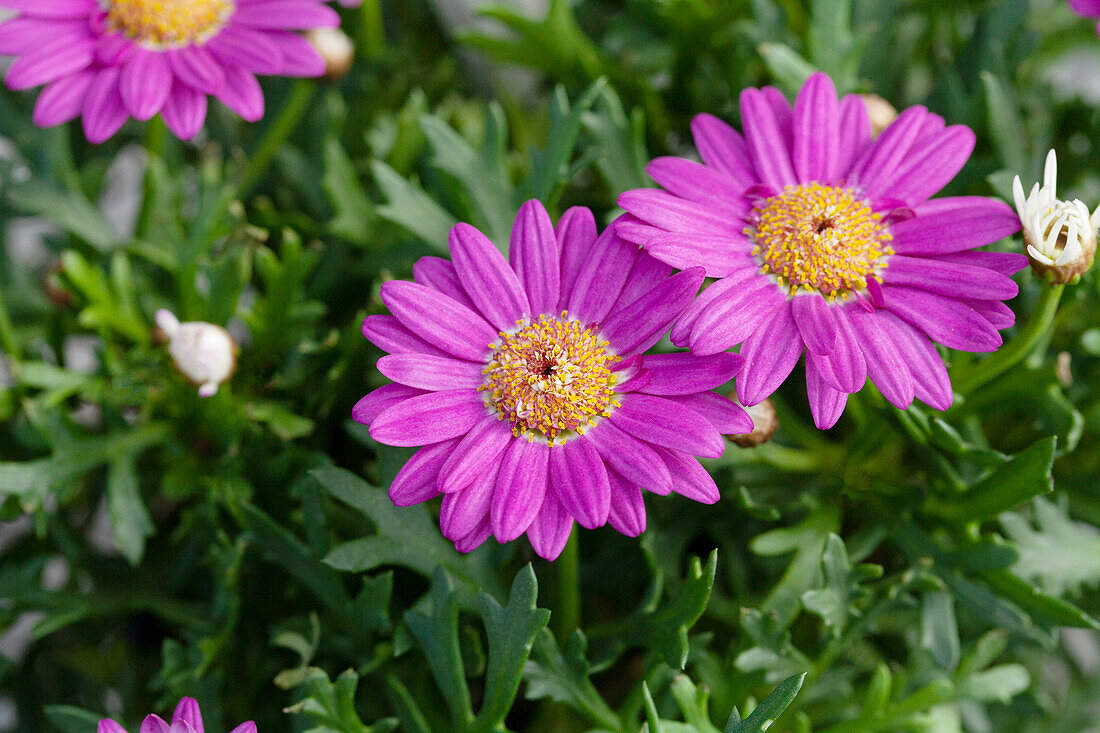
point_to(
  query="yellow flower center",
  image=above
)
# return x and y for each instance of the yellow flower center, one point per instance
(550, 378)
(819, 238)
(168, 23)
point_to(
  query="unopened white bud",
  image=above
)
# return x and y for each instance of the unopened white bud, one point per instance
(1060, 235)
(204, 353)
(335, 48)
(765, 421)
(881, 112)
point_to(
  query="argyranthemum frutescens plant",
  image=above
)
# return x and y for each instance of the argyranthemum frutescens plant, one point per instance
(107, 62)
(825, 242)
(526, 381)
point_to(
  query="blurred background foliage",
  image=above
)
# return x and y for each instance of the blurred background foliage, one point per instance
(904, 571)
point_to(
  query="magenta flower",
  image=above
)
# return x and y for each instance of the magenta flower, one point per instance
(526, 385)
(186, 719)
(108, 61)
(1087, 8)
(824, 241)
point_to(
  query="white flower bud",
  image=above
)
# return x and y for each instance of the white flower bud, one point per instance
(765, 421)
(1060, 235)
(204, 353)
(335, 48)
(881, 112)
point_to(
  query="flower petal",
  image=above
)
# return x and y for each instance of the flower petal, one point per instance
(723, 148)
(533, 253)
(188, 710)
(770, 353)
(634, 459)
(579, 478)
(487, 278)
(601, 277)
(946, 320)
(885, 365)
(439, 320)
(826, 404)
(689, 478)
(144, 83)
(931, 383)
(576, 233)
(955, 279)
(463, 511)
(627, 513)
(641, 324)
(766, 139)
(669, 424)
(185, 111)
(378, 401)
(416, 482)
(816, 130)
(481, 447)
(429, 418)
(727, 417)
(732, 318)
(946, 225)
(520, 488)
(676, 374)
(815, 321)
(387, 333)
(719, 255)
(550, 529)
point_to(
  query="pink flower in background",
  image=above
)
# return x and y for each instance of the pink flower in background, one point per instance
(824, 242)
(109, 61)
(524, 380)
(1087, 8)
(186, 719)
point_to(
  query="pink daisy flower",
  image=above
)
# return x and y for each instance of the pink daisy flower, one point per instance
(186, 719)
(824, 242)
(524, 380)
(109, 60)
(1087, 8)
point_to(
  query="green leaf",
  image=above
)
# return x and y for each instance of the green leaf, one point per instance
(1000, 684)
(563, 677)
(409, 207)
(693, 704)
(807, 540)
(406, 536)
(1005, 126)
(354, 210)
(785, 64)
(72, 719)
(550, 167)
(832, 602)
(483, 174)
(129, 519)
(665, 629)
(284, 423)
(618, 145)
(831, 42)
(652, 720)
(1022, 477)
(437, 635)
(69, 210)
(939, 630)
(511, 631)
(770, 709)
(1058, 554)
(1043, 609)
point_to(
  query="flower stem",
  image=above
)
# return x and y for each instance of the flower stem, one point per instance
(1018, 348)
(567, 608)
(9, 343)
(372, 31)
(301, 94)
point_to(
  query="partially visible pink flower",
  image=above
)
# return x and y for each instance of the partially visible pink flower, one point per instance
(1087, 8)
(525, 381)
(827, 243)
(186, 719)
(109, 61)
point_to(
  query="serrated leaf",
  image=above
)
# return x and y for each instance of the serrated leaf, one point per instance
(511, 631)
(67, 209)
(353, 209)
(437, 635)
(1024, 476)
(1057, 553)
(563, 677)
(408, 206)
(665, 629)
(771, 708)
(130, 521)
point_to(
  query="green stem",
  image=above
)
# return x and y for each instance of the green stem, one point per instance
(8, 340)
(301, 94)
(372, 30)
(156, 133)
(1018, 348)
(567, 610)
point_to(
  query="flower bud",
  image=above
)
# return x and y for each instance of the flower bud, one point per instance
(765, 421)
(881, 112)
(335, 48)
(204, 353)
(1060, 235)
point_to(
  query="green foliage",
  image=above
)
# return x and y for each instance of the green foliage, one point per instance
(905, 571)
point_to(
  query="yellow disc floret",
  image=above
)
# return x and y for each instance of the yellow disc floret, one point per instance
(819, 238)
(168, 23)
(550, 378)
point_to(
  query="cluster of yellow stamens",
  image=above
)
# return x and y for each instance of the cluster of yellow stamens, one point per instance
(168, 23)
(820, 238)
(550, 378)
